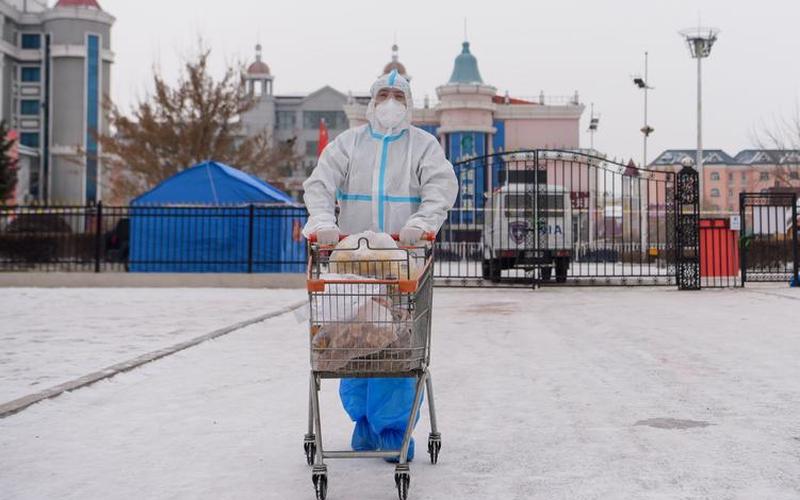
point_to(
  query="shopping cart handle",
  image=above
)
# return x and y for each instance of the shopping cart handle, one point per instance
(312, 238)
(427, 236)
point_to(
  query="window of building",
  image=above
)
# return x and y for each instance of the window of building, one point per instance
(29, 107)
(794, 175)
(730, 176)
(744, 176)
(285, 120)
(333, 119)
(311, 148)
(764, 176)
(31, 74)
(714, 176)
(730, 192)
(715, 193)
(30, 139)
(31, 41)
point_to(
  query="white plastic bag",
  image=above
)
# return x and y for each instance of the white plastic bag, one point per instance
(350, 321)
(374, 255)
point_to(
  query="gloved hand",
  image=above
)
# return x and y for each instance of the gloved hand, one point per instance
(328, 236)
(410, 235)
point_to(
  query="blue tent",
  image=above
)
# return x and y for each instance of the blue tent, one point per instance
(215, 218)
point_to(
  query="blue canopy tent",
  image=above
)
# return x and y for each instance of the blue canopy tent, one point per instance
(215, 218)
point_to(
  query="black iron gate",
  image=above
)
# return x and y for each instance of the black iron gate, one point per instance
(558, 217)
(687, 231)
(769, 245)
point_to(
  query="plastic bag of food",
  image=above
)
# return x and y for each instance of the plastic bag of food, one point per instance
(350, 321)
(375, 255)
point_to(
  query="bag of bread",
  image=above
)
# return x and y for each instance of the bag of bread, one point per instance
(374, 255)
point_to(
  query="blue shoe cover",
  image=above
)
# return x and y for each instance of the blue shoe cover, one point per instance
(391, 439)
(363, 437)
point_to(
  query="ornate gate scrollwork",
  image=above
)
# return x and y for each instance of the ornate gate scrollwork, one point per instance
(687, 229)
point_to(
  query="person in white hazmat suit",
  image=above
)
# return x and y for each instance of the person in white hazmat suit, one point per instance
(389, 177)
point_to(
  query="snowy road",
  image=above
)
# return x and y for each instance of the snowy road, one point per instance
(52, 335)
(554, 394)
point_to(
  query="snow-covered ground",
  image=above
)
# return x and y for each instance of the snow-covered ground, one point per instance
(50, 335)
(562, 393)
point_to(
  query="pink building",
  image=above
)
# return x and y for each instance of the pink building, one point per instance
(471, 119)
(725, 176)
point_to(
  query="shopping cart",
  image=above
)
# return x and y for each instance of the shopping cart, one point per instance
(370, 318)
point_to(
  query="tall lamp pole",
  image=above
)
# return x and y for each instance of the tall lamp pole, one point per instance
(700, 40)
(594, 121)
(646, 129)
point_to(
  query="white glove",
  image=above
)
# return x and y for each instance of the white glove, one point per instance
(328, 236)
(410, 235)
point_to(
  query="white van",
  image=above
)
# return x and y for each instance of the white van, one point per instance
(509, 238)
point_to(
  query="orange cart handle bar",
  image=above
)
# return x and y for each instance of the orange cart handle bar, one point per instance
(427, 236)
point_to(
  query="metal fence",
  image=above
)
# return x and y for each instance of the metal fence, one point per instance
(769, 241)
(583, 221)
(242, 238)
(719, 253)
(548, 217)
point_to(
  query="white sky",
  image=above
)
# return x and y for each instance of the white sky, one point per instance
(751, 79)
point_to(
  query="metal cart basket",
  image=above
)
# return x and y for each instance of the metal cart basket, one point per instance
(370, 316)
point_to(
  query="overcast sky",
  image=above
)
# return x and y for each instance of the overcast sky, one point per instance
(751, 79)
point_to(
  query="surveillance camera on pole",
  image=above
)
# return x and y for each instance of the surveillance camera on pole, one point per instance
(646, 129)
(700, 40)
(594, 122)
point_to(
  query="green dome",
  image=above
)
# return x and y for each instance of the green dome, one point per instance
(466, 68)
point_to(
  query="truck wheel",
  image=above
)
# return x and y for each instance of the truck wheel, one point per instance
(491, 270)
(547, 273)
(562, 265)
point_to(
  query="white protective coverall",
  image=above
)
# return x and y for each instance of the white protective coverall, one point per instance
(383, 179)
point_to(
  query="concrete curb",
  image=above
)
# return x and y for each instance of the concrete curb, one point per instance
(152, 280)
(17, 405)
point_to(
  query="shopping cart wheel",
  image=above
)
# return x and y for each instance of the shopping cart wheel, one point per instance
(310, 447)
(434, 446)
(402, 478)
(320, 479)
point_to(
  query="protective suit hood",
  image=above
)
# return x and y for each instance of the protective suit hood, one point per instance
(382, 179)
(392, 80)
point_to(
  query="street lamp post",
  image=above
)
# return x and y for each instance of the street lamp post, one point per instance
(594, 121)
(646, 129)
(700, 40)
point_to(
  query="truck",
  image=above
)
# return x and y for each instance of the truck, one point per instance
(528, 226)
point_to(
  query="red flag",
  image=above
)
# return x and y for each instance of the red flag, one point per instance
(323, 137)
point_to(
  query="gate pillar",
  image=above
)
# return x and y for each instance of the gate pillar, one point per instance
(687, 229)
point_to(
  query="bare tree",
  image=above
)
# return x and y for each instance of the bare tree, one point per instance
(195, 120)
(782, 137)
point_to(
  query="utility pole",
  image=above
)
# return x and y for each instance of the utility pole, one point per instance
(646, 129)
(594, 121)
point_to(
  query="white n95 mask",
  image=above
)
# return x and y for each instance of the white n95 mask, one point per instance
(390, 113)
